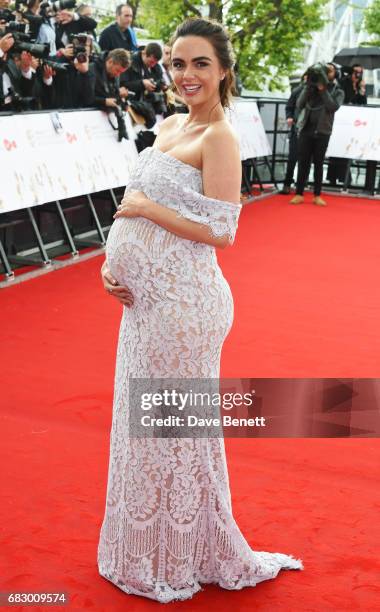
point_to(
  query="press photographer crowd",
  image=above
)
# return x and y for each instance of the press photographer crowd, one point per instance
(52, 57)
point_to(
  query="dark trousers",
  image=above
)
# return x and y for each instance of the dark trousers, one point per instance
(292, 157)
(337, 169)
(370, 176)
(311, 148)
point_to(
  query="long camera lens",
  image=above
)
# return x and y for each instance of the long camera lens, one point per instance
(38, 50)
(15, 26)
(60, 5)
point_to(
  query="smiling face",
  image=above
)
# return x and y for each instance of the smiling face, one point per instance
(196, 70)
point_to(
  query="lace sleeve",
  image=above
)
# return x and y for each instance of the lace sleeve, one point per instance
(220, 216)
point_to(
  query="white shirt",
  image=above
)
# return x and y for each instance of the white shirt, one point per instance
(46, 34)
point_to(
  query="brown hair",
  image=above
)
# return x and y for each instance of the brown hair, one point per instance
(218, 36)
(119, 56)
(154, 49)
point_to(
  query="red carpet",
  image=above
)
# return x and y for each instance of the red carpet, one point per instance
(307, 302)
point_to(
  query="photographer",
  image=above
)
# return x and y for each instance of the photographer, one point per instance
(317, 103)
(107, 68)
(354, 89)
(354, 86)
(74, 84)
(5, 12)
(28, 12)
(16, 76)
(144, 77)
(71, 22)
(46, 32)
(291, 113)
(108, 94)
(43, 89)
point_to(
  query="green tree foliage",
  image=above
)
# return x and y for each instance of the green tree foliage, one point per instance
(372, 20)
(268, 35)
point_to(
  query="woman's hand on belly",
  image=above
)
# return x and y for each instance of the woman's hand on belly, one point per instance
(120, 292)
(133, 204)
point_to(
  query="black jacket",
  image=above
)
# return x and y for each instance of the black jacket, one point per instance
(325, 103)
(45, 94)
(22, 86)
(350, 95)
(103, 85)
(81, 25)
(113, 38)
(137, 71)
(291, 110)
(72, 89)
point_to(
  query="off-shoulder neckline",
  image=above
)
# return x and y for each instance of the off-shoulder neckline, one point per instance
(174, 159)
(182, 163)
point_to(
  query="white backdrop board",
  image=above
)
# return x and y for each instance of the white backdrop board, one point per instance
(356, 133)
(39, 164)
(245, 118)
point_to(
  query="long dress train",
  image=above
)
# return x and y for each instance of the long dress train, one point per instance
(168, 523)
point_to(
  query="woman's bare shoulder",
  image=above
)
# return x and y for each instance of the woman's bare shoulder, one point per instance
(221, 164)
(220, 136)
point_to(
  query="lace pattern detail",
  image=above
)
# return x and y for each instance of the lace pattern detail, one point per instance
(168, 523)
(183, 195)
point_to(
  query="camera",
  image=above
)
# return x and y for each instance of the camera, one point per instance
(17, 36)
(79, 42)
(34, 21)
(6, 15)
(61, 5)
(58, 5)
(23, 43)
(317, 75)
(157, 98)
(121, 127)
(118, 111)
(21, 103)
(21, 6)
(57, 66)
(15, 26)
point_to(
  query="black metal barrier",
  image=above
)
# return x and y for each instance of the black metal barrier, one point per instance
(35, 236)
(362, 177)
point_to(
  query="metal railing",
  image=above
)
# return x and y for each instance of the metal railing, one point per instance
(362, 177)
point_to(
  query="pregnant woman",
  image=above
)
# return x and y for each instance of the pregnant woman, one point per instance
(168, 523)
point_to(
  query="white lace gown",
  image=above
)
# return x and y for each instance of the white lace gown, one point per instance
(168, 523)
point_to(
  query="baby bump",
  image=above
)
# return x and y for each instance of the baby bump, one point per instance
(160, 267)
